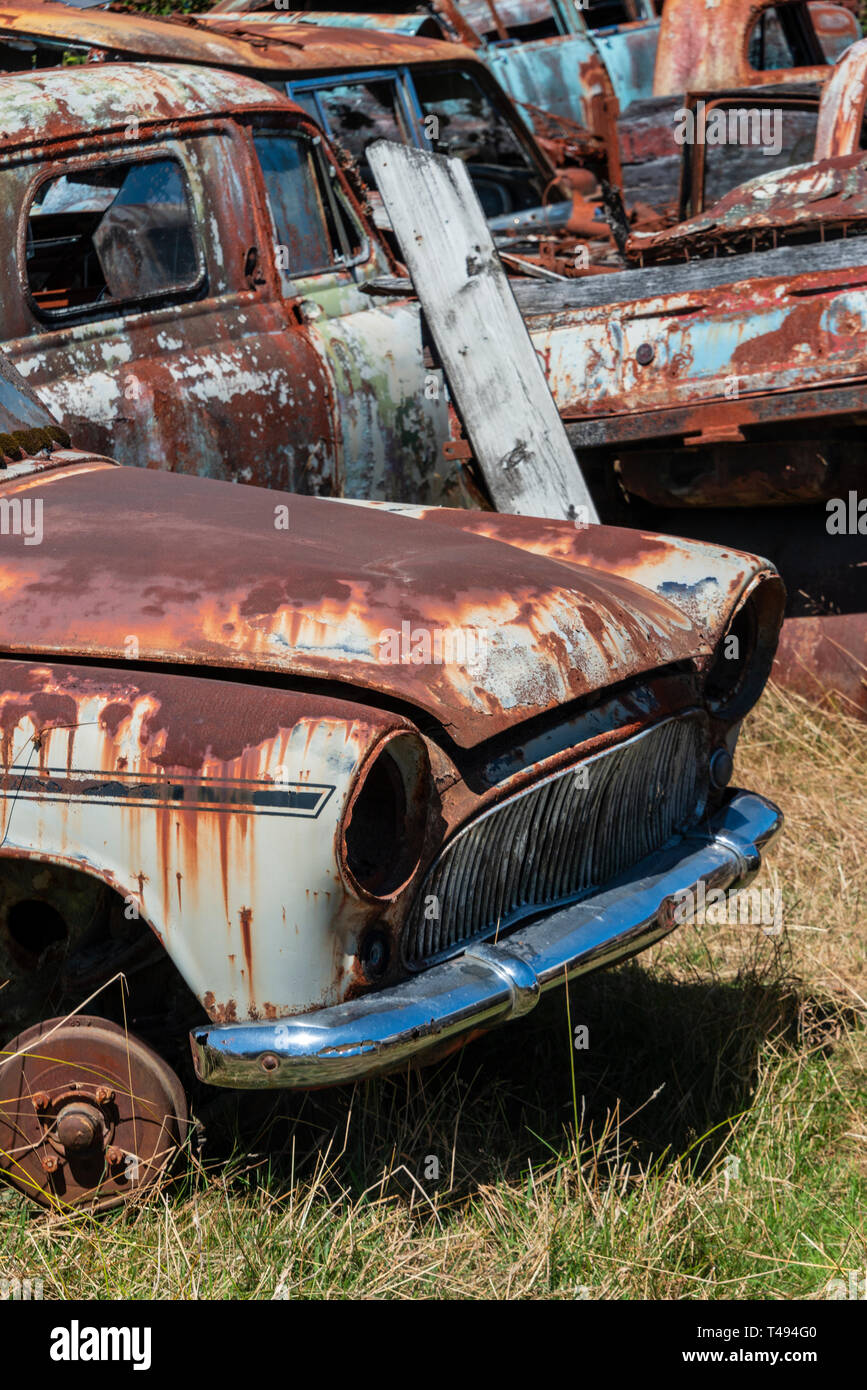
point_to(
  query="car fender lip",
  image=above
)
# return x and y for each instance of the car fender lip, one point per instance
(491, 983)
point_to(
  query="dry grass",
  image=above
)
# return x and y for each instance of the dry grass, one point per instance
(710, 1143)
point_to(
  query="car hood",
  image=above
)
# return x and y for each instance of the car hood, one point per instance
(153, 567)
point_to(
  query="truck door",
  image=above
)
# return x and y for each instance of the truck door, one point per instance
(146, 320)
(391, 408)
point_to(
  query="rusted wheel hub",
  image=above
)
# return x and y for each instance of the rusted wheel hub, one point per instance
(89, 1114)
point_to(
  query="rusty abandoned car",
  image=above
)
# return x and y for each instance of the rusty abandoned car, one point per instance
(352, 782)
(188, 249)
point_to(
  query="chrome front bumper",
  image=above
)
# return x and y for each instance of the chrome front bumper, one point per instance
(488, 985)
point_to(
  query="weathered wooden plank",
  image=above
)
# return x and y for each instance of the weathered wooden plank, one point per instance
(493, 372)
(626, 286)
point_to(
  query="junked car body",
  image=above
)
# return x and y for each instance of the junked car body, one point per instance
(561, 57)
(365, 779)
(552, 56)
(371, 83)
(712, 49)
(707, 49)
(190, 265)
(191, 284)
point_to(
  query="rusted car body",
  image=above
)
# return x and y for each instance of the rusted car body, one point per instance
(190, 267)
(817, 122)
(708, 50)
(382, 84)
(626, 95)
(537, 48)
(552, 56)
(254, 755)
(191, 285)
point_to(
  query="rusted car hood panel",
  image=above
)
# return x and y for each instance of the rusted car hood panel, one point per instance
(706, 581)
(179, 570)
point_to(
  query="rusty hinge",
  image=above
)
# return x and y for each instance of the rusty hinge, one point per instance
(457, 449)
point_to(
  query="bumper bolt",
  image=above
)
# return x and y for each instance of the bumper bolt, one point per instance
(49, 1163)
(40, 1100)
(104, 1096)
(113, 1155)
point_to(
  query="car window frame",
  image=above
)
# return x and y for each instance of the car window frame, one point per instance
(331, 180)
(692, 200)
(57, 166)
(400, 76)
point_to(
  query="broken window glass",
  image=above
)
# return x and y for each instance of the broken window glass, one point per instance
(312, 227)
(110, 234)
(462, 121)
(359, 112)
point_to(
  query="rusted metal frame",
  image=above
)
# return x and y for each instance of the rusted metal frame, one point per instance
(732, 24)
(507, 106)
(303, 124)
(823, 404)
(291, 304)
(691, 199)
(143, 152)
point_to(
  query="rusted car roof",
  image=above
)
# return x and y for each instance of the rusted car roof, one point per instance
(313, 602)
(183, 39)
(62, 103)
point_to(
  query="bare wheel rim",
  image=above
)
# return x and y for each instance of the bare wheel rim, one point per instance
(89, 1114)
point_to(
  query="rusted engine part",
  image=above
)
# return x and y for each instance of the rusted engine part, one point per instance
(89, 1115)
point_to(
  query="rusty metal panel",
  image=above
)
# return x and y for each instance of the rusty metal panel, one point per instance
(118, 773)
(841, 110)
(704, 47)
(194, 39)
(273, 601)
(628, 353)
(823, 657)
(836, 28)
(629, 55)
(560, 75)
(223, 383)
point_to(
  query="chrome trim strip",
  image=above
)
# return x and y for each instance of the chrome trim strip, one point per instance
(491, 983)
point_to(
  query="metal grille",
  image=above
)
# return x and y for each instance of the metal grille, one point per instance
(561, 839)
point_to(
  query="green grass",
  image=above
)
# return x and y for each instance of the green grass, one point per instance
(714, 1144)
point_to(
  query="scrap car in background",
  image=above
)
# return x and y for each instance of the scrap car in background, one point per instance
(623, 82)
(334, 786)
